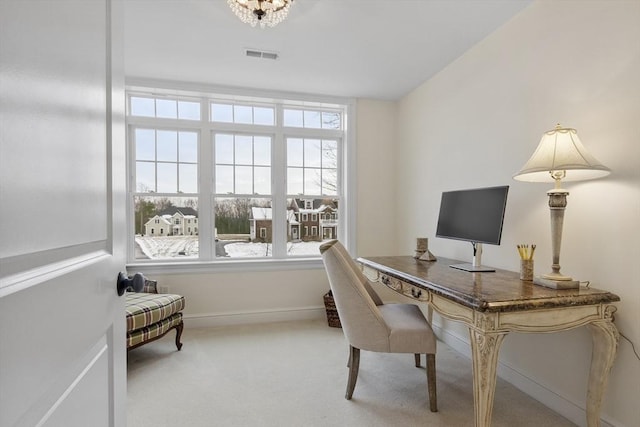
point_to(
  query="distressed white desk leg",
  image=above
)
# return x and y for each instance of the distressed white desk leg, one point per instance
(484, 348)
(605, 345)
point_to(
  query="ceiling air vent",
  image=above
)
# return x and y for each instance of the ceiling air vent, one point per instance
(254, 53)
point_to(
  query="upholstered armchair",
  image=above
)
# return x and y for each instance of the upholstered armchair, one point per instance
(371, 325)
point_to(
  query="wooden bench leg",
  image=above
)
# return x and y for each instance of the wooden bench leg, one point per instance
(178, 335)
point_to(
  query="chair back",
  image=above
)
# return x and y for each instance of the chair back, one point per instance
(362, 323)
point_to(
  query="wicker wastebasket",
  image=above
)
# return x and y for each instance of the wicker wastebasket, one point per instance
(332, 312)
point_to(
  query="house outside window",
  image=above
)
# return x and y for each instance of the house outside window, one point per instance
(262, 164)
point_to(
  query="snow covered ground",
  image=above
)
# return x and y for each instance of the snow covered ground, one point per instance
(169, 247)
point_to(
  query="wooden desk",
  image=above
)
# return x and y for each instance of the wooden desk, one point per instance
(494, 304)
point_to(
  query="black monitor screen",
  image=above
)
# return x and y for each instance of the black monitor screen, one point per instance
(473, 215)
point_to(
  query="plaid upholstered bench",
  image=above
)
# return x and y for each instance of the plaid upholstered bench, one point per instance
(151, 315)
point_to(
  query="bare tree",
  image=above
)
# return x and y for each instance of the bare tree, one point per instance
(163, 203)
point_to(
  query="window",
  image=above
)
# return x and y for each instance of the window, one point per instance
(164, 108)
(312, 119)
(242, 164)
(249, 114)
(312, 167)
(262, 178)
(166, 160)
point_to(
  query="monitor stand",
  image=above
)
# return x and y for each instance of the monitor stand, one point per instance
(476, 266)
(473, 268)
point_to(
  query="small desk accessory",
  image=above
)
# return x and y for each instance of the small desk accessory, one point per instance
(422, 250)
(526, 261)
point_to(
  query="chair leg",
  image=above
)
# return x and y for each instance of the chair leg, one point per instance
(417, 357)
(354, 361)
(431, 382)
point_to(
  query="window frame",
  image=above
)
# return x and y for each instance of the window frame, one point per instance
(206, 128)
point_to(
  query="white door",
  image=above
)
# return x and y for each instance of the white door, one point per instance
(62, 214)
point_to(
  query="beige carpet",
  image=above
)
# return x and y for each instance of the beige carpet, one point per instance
(294, 374)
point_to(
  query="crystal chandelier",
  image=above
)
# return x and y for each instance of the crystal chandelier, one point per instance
(266, 12)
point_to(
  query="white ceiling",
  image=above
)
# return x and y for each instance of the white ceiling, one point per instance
(378, 49)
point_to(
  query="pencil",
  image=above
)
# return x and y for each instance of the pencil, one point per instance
(526, 251)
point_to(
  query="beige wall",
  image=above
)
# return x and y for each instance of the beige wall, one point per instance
(478, 121)
(376, 185)
(248, 297)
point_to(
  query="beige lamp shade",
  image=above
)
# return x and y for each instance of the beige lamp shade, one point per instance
(560, 150)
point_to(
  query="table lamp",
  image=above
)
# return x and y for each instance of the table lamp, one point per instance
(559, 156)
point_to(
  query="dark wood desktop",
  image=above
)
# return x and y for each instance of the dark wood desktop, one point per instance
(495, 303)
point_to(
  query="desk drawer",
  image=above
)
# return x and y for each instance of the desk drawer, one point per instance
(404, 288)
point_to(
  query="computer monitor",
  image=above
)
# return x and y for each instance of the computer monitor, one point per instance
(474, 215)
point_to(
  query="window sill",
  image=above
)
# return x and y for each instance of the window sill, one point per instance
(200, 267)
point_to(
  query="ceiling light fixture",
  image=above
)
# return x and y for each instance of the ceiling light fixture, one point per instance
(268, 13)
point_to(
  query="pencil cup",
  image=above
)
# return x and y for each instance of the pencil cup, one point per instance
(526, 269)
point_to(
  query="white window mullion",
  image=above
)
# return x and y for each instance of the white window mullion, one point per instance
(206, 230)
(131, 182)
(347, 174)
(206, 227)
(279, 190)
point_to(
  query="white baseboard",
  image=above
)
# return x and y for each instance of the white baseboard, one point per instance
(558, 403)
(249, 317)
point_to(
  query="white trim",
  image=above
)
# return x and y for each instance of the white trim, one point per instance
(253, 317)
(226, 266)
(347, 223)
(102, 351)
(32, 277)
(188, 89)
